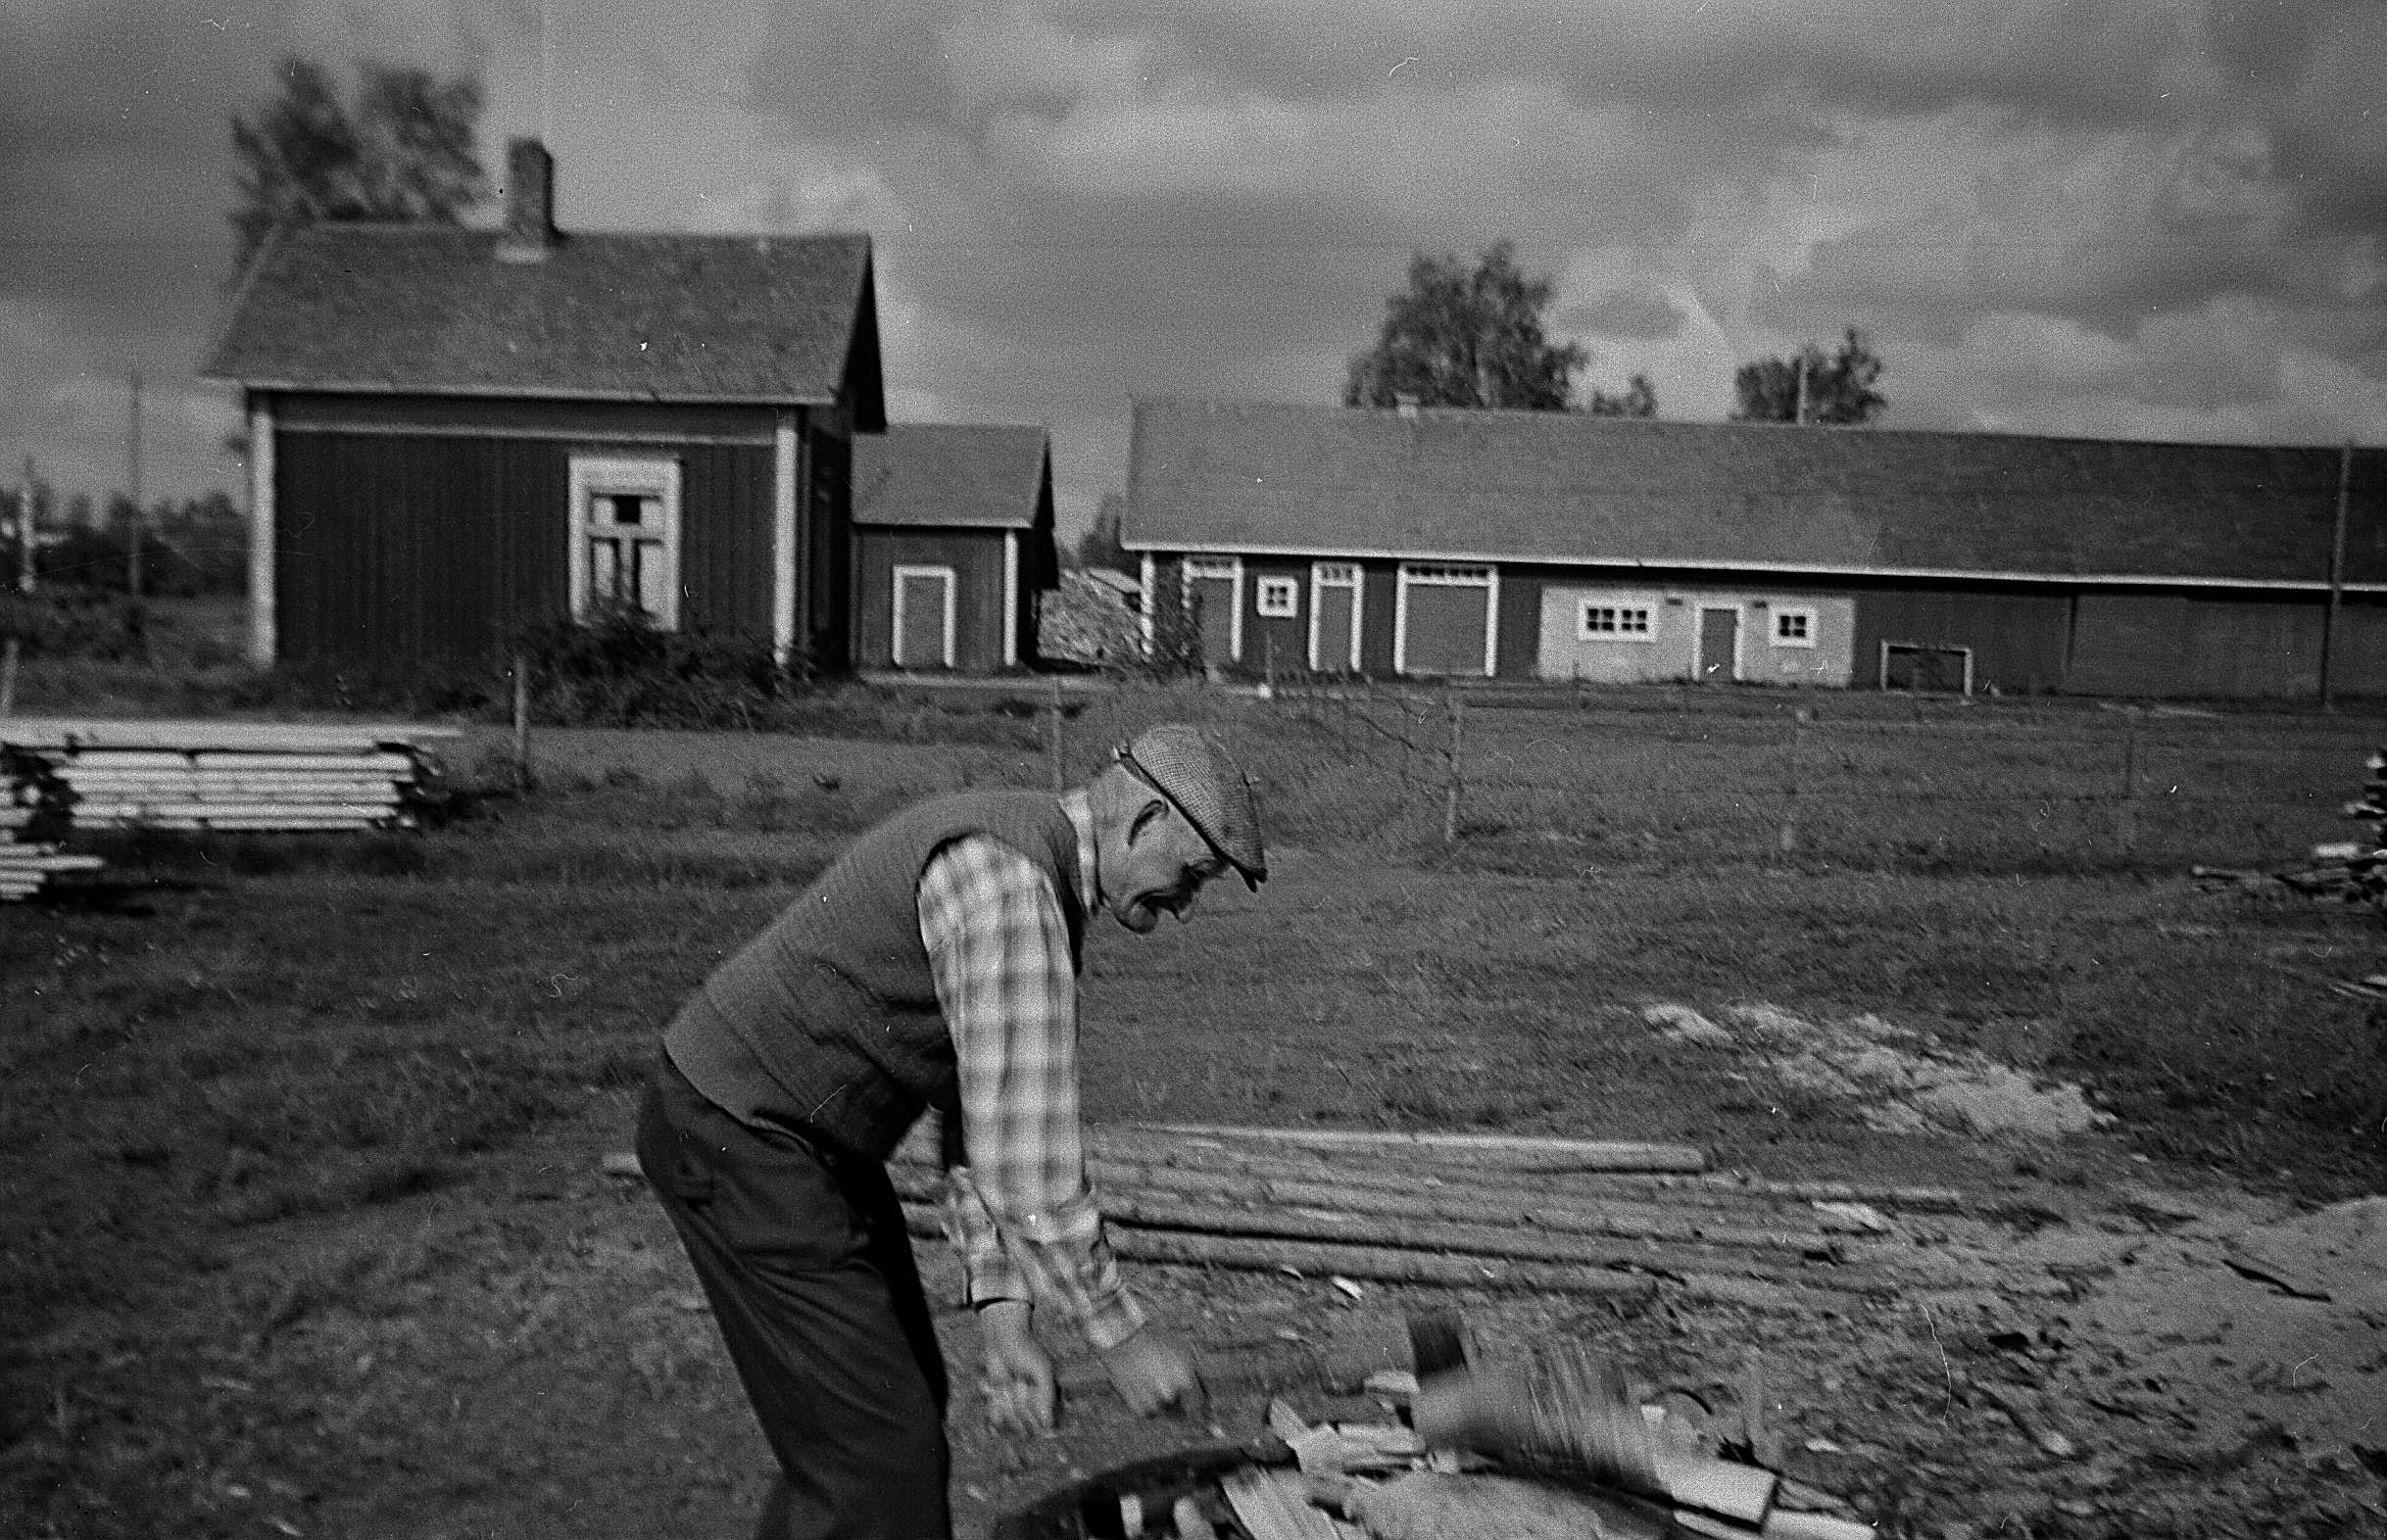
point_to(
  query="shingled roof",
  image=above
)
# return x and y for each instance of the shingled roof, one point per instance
(605, 316)
(953, 475)
(1523, 486)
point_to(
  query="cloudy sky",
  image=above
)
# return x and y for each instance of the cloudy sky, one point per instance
(2147, 218)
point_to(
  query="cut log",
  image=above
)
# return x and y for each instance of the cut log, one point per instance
(1274, 1505)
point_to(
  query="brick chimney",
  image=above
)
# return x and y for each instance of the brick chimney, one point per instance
(530, 202)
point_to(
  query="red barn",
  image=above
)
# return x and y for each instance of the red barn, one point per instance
(1555, 546)
(454, 432)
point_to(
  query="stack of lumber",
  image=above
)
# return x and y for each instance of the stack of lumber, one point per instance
(236, 775)
(34, 814)
(1573, 1216)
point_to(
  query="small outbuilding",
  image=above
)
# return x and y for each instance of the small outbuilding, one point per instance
(952, 545)
(456, 432)
(1555, 546)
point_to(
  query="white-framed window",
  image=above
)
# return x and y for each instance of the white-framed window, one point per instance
(1793, 626)
(1606, 617)
(1433, 619)
(625, 534)
(924, 620)
(1338, 594)
(1279, 598)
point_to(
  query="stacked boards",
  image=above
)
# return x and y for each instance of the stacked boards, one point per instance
(236, 775)
(35, 815)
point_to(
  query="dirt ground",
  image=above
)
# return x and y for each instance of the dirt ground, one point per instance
(2105, 1338)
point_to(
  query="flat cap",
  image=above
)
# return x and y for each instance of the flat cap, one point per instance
(1193, 771)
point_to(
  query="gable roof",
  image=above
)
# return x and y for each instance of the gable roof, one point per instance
(1562, 487)
(434, 309)
(953, 475)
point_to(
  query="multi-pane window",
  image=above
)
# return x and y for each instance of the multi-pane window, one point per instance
(626, 535)
(1794, 628)
(1605, 621)
(1280, 599)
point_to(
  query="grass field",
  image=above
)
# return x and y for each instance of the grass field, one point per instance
(298, 1146)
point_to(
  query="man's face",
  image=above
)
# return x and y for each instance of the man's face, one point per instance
(1165, 865)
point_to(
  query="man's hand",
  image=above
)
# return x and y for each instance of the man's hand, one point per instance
(1151, 1372)
(1022, 1393)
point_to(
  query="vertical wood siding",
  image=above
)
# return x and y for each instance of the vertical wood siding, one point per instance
(401, 549)
(976, 557)
(2019, 640)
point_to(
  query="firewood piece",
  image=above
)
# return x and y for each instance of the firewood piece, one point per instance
(1274, 1505)
(1428, 1505)
(1377, 1263)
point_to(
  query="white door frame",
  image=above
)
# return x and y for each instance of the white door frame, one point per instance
(1319, 583)
(1214, 568)
(895, 646)
(1444, 574)
(1740, 627)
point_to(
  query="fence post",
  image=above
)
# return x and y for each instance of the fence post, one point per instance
(1059, 783)
(1451, 801)
(8, 678)
(523, 779)
(1799, 739)
(2125, 814)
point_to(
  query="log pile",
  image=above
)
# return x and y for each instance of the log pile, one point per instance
(236, 775)
(1578, 1217)
(36, 813)
(2351, 870)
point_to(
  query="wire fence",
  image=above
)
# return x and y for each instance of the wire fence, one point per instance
(1705, 773)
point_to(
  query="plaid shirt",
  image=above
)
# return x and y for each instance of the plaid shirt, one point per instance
(1019, 1210)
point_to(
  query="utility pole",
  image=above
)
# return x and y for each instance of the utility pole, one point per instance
(132, 525)
(2337, 570)
(1801, 411)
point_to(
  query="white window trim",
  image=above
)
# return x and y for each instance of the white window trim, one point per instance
(1436, 574)
(895, 640)
(1779, 610)
(264, 640)
(1740, 636)
(1214, 568)
(1648, 604)
(1319, 583)
(1287, 594)
(594, 475)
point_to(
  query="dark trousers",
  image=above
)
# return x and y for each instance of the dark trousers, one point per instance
(804, 1259)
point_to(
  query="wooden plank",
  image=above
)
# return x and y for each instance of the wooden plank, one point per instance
(1274, 1505)
(1524, 1152)
(126, 732)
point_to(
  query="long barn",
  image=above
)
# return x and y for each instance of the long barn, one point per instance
(1549, 546)
(454, 432)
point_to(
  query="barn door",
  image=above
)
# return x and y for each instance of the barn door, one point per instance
(1719, 646)
(923, 617)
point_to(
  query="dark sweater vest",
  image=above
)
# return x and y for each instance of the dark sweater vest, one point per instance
(829, 1018)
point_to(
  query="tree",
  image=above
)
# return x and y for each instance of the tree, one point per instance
(1466, 337)
(1639, 399)
(1099, 546)
(401, 152)
(1839, 388)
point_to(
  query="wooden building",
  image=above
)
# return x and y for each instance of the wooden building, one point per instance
(455, 432)
(1543, 546)
(952, 545)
